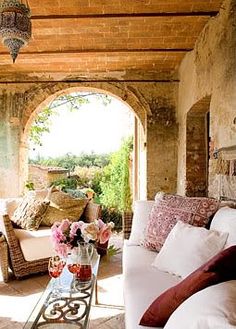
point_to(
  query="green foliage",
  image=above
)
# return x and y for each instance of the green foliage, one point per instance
(115, 183)
(65, 183)
(70, 161)
(112, 215)
(75, 193)
(107, 175)
(41, 125)
(29, 185)
(90, 177)
(72, 102)
(93, 160)
(112, 251)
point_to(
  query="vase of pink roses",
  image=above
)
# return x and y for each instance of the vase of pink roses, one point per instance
(66, 235)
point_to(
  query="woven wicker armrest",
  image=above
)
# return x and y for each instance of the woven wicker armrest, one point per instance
(127, 219)
(4, 258)
(19, 265)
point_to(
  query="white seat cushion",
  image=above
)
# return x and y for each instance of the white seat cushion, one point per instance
(35, 244)
(142, 209)
(225, 221)
(188, 247)
(142, 283)
(211, 308)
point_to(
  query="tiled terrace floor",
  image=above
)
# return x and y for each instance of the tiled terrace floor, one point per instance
(18, 297)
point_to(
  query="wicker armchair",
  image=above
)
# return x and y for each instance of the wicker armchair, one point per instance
(127, 219)
(19, 266)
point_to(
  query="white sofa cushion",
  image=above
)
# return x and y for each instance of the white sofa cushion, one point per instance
(142, 209)
(188, 247)
(211, 308)
(35, 244)
(142, 283)
(225, 221)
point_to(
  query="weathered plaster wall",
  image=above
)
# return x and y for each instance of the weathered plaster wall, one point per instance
(10, 132)
(162, 142)
(210, 70)
(153, 104)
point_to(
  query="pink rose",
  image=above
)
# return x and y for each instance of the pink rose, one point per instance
(65, 225)
(90, 231)
(100, 223)
(81, 223)
(104, 234)
(57, 236)
(61, 249)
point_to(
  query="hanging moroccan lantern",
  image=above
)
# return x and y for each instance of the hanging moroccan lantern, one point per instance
(15, 25)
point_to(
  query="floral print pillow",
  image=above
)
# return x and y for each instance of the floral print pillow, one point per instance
(169, 209)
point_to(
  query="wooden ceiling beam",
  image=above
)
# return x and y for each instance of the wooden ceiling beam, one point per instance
(127, 15)
(101, 51)
(90, 81)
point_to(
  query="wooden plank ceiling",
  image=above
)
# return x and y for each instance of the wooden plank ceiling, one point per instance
(138, 40)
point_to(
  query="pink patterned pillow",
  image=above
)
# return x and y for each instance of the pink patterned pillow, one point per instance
(167, 211)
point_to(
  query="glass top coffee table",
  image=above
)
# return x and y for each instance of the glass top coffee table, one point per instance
(70, 310)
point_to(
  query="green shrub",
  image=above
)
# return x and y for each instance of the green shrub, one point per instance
(115, 182)
(66, 183)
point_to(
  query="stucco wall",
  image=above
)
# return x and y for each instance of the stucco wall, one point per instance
(162, 133)
(210, 70)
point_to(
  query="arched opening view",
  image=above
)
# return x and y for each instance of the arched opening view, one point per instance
(83, 144)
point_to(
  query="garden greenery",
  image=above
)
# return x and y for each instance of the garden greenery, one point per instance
(115, 183)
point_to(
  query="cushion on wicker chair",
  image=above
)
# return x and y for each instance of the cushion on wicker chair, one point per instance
(29, 213)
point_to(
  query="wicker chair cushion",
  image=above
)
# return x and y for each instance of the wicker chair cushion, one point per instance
(29, 213)
(63, 205)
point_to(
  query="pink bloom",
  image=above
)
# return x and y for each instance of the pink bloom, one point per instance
(55, 226)
(104, 234)
(65, 225)
(73, 229)
(80, 224)
(100, 223)
(61, 249)
(57, 236)
(90, 231)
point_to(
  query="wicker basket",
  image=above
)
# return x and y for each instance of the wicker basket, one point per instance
(4, 258)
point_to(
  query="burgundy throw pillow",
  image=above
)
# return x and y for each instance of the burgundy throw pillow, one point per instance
(167, 210)
(219, 268)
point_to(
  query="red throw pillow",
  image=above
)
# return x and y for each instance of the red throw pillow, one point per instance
(219, 268)
(167, 210)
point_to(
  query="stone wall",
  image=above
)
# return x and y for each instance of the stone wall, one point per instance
(210, 70)
(153, 104)
(162, 142)
(42, 177)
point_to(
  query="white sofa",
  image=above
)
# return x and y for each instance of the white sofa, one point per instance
(143, 283)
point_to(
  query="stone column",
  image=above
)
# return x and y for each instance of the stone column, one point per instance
(161, 149)
(10, 131)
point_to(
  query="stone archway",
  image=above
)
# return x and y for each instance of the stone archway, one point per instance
(197, 148)
(128, 96)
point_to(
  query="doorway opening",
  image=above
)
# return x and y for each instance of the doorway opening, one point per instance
(197, 148)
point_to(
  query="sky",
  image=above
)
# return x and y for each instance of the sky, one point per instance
(92, 128)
